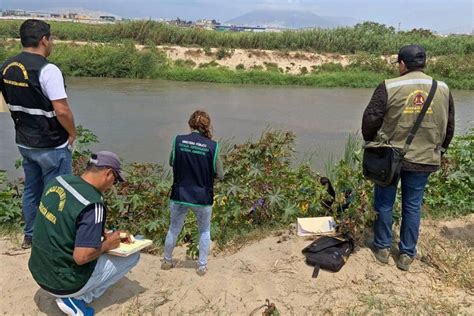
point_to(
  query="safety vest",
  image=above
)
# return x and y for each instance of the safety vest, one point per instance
(32, 112)
(51, 262)
(405, 98)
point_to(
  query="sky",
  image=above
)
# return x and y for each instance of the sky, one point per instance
(439, 15)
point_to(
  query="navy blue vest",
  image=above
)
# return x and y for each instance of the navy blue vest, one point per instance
(194, 167)
(36, 124)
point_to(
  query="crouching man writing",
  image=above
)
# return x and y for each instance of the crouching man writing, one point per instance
(68, 258)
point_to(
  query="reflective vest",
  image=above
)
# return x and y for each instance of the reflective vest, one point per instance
(51, 262)
(405, 98)
(32, 112)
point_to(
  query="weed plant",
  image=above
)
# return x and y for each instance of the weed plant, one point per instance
(262, 189)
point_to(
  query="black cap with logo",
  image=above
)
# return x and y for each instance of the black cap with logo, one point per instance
(414, 56)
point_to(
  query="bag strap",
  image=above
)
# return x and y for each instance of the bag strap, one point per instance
(420, 117)
(315, 272)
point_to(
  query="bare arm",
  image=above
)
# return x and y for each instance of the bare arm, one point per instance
(83, 255)
(65, 117)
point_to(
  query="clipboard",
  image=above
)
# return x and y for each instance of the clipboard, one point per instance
(125, 250)
(310, 226)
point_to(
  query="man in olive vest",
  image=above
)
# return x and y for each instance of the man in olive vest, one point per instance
(68, 258)
(389, 117)
(35, 94)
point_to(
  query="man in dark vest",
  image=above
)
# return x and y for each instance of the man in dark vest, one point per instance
(34, 90)
(389, 117)
(68, 258)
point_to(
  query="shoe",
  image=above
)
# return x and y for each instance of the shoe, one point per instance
(27, 242)
(166, 265)
(404, 261)
(382, 255)
(74, 307)
(201, 271)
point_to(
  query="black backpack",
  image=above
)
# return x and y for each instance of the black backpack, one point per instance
(328, 253)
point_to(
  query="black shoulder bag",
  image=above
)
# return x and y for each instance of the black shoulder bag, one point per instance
(328, 253)
(381, 161)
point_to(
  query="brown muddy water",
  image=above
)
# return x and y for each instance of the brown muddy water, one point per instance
(138, 119)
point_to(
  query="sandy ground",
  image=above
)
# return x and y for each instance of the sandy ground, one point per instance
(289, 62)
(272, 268)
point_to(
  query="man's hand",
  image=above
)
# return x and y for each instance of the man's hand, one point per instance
(111, 241)
(84, 255)
(71, 139)
(65, 117)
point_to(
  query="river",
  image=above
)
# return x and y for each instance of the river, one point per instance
(138, 119)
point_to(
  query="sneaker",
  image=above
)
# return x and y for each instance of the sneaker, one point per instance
(404, 262)
(382, 255)
(74, 307)
(201, 271)
(166, 265)
(27, 241)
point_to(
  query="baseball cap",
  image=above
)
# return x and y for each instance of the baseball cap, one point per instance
(412, 55)
(108, 159)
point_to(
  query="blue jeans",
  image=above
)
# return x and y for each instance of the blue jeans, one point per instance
(108, 270)
(40, 166)
(413, 186)
(178, 214)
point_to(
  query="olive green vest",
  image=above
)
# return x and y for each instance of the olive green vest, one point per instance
(51, 262)
(405, 98)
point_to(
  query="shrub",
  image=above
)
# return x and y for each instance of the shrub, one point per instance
(223, 53)
(449, 190)
(210, 64)
(271, 66)
(185, 63)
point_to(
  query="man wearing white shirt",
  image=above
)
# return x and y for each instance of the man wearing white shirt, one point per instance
(35, 94)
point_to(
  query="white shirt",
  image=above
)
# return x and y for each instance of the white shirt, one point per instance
(52, 82)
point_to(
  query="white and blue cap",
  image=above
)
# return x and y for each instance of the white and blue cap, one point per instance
(108, 159)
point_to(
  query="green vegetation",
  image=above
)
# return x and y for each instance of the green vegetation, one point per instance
(449, 192)
(256, 75)
(263, 189)
(126, 61)
(366, 37)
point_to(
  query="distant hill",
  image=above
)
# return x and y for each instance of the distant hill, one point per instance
(289, 19)
(342, 20)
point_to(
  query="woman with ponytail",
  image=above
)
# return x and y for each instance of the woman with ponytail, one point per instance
(195, 161)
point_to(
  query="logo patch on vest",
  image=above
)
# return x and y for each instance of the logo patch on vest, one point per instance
(419, 100)
(414, 102)
(23, 71)
(62, 200)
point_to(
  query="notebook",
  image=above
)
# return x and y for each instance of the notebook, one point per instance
(125, 250)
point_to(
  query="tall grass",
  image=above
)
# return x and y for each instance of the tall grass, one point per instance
(366, 37)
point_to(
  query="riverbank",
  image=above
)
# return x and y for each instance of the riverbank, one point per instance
(241, 278)
(241, 66)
